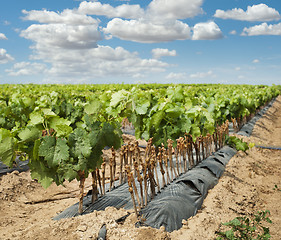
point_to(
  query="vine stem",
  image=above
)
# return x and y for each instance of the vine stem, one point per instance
(81, 186)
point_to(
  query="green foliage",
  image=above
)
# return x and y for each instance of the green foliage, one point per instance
(7, 154)
(247, 228)
(236, 143)
(63, 129)
(56, 151)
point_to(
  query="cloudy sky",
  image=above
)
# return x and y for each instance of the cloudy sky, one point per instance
(164, 41)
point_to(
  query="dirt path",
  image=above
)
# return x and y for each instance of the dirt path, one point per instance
(248, 185)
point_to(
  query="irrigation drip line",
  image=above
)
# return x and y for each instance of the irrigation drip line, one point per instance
(269, 147)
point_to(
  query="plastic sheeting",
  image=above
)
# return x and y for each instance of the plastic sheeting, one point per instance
(184, 197)
(20, 166)
(179, 200)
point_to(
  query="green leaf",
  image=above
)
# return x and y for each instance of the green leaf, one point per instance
(110, 136)
(7, 154)
(195, 110)
(178, 94)
(157, 118)
(93, 107)
(60, 125)
(82, 164)
(70, 174)
(188, 104)
(80, 125)
(143, 107)
(54, 151)
(242, 146)
(48, 112)
(46, 181)
(2, 121)
(61, 151)
(63, 130)
(29, 134)
(209, 117)
(41, 173)
(80, 144)
(174, 111)
(234, 141)
(47, 149)
(36, 118)
(53, 122)
(195, 131)
(209, 127)
(186, 126)
(4, 133)
(117, 97)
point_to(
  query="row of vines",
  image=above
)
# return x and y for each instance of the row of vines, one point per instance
(63, 129)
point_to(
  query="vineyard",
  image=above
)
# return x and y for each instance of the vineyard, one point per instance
(69, 133)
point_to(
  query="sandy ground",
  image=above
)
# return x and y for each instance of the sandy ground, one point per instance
(247, 186)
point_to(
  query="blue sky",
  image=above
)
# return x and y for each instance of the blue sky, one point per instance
(163, 41)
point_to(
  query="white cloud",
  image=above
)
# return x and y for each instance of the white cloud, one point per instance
(66, 17)
(202, 74)
(162, 52)
(171, 9)
(260, 12)
(68, 40)
(233, 32)
(100, 62)
(87, 64)
(256, 61)
(176, 76)
(158, 23)
(68, 29)
(147, 31)
(63, 36)
(237, 68)
(206, 31)
(70, 46)
(4, 56)
(26, 68)
(263, 29)
(3, 37)
(122, 11)
(157, 9)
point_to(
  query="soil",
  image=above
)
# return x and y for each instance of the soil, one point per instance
(251, 183)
